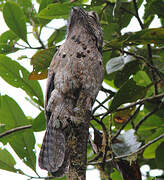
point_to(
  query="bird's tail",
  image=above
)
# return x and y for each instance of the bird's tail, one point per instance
(54, 154)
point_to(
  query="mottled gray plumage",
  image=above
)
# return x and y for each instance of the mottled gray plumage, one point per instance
(76, 68)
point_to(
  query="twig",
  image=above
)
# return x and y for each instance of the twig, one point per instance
(126, 155)
(152, 70)
(149, 49)
(108, 91)
(137, 14)
(129, 12)
(15, 130)
(130, 118)
(36, 33)
(102, 10)
(143, 59)
(26, 47)
(101, 104)
(94, 110)
(144, 118)
(133, 104)
(106, 140)
(39, 177)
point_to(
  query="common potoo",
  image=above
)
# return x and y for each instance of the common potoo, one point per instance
(75, 77)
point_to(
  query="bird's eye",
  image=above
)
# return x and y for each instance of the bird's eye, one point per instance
(93, 15)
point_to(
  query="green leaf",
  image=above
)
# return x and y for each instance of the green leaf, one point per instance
(7, 42)
(28, 9)
(116, 175)
(24, 145)
(15, 19)
(116, 13)
(142, 78)
(129, 69)
(149, 152)
(159, 64)
(154, 35)
(128, 92)
(39, 123)
(11, 115)
(154, 7)
(57, 10)
(57, 36)
(109, 30)
(7, 162)
(17, 76)
(44, 4)
(151, 122)
(41, 61)
(23, 142)
(151, 105)
(159, 156)
(146, 36)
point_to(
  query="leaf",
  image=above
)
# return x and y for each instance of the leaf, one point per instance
(38, 76)
(154, 35)
(41, 61)
(7, 42)
(109, 30)
(17, 76)
(116, 175)
(146, 36)
(7, 162)
(44, 4)
(128, 143)
(159, 158)
(154, 7)
(159, 64)
(56, 11)
(28, 9)
(149, 152)
(39, 123)
(23, 142)
(24, 145)
(115, 64)
(57, 36)
(123, 75)
(116, 13)
(15, 19)
(122, 116)
(142, 78)
(128, 92)
(152, 122)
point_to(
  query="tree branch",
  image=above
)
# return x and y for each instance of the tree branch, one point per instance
(144, 118)
(108, 91)
(126, 155)
(130, 118)
(148, 49)
(94, 110)
(133, 104)
(137, 14)
(152, 70)
(104, 141)
(28, 47)
(15, 130)
(101, 104)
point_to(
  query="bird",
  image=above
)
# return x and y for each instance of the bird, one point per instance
(75, 76)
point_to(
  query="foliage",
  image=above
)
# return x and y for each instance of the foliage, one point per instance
(134, 74)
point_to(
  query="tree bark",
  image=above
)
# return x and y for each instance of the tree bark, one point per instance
(78, 142)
